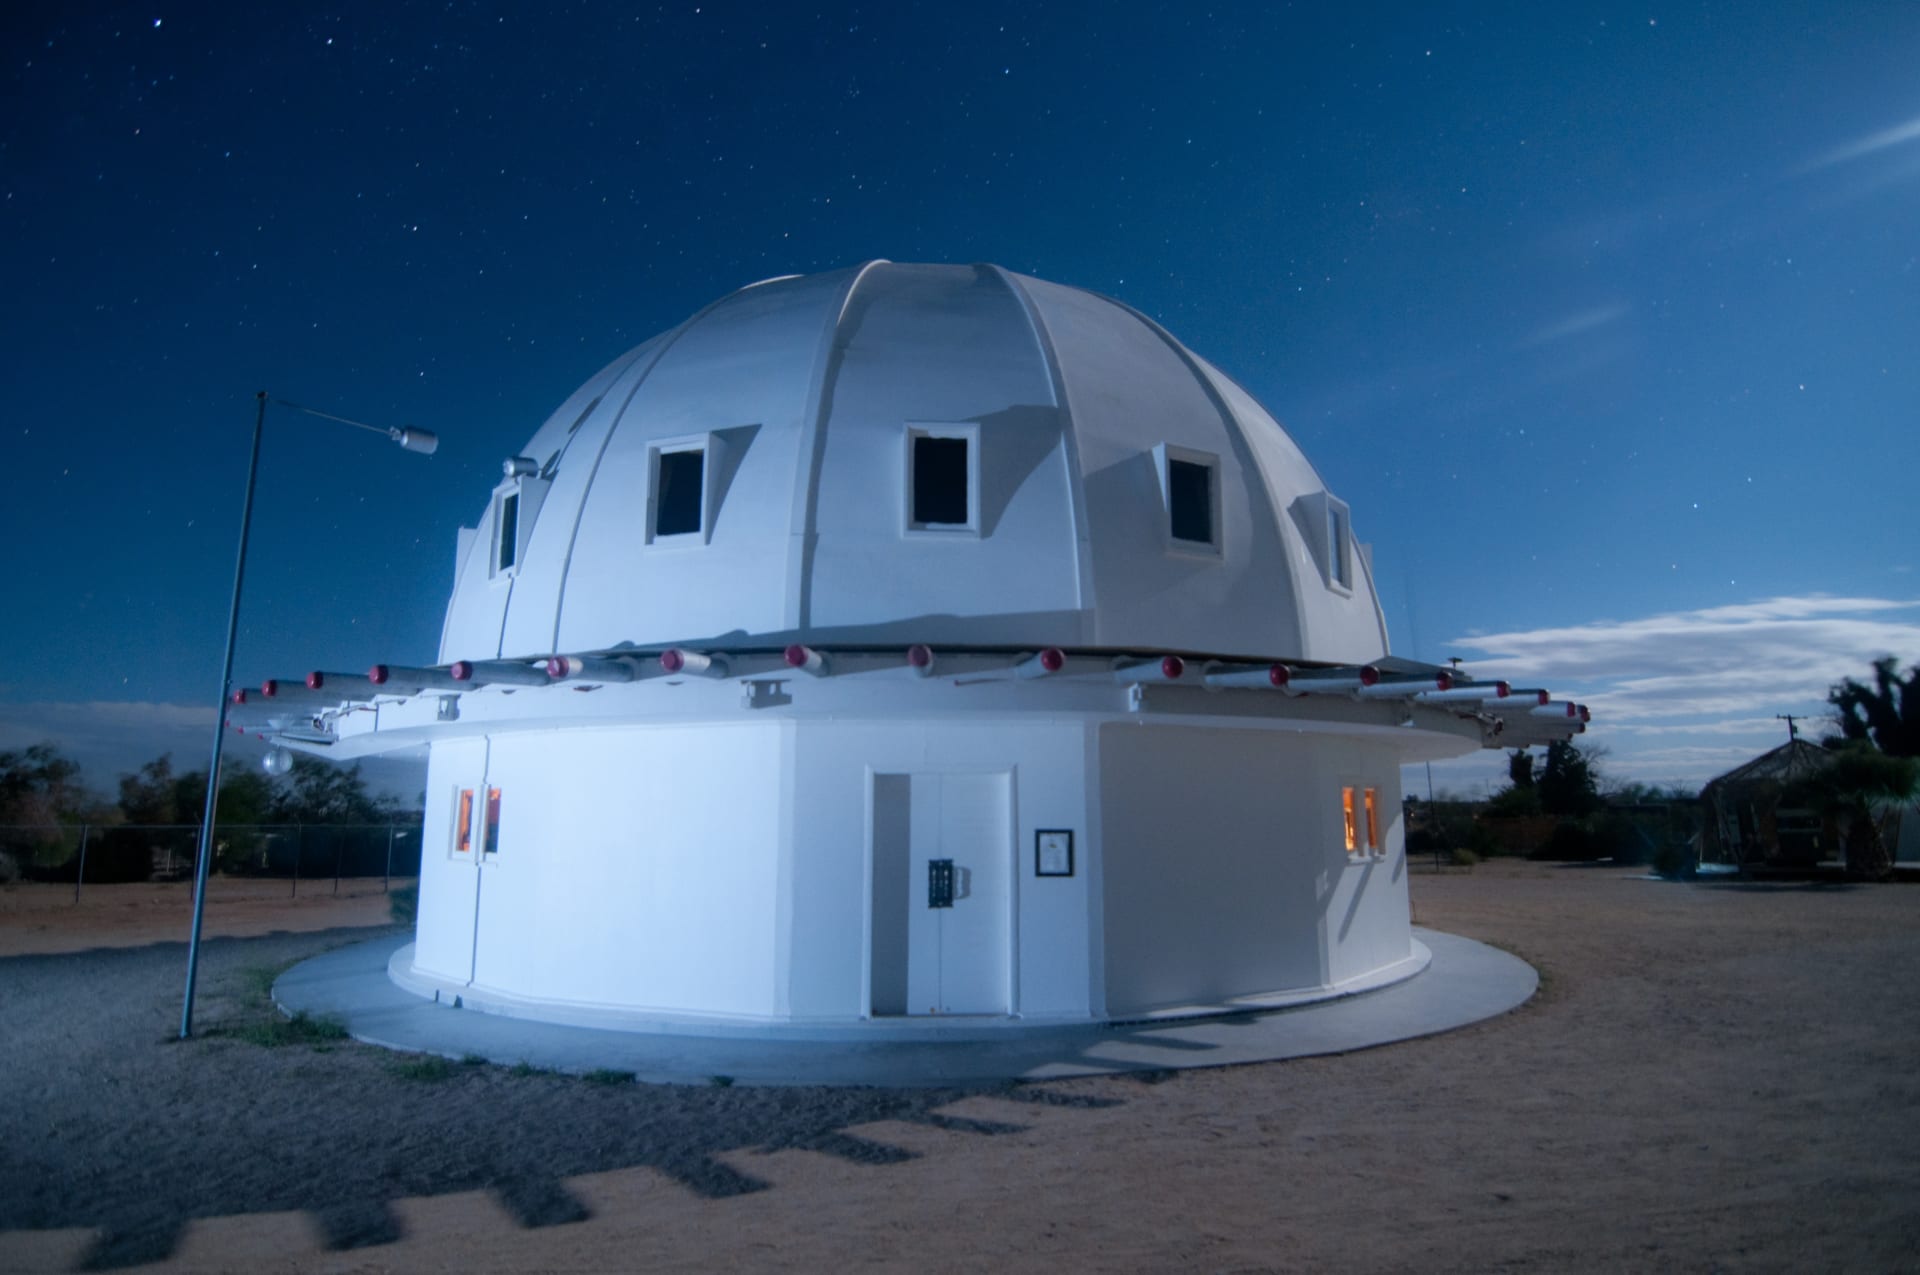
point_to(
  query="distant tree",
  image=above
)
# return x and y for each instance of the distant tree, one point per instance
(322, 792)
(1859, 784)
(40, 795)
(1568, 784)
(1636, 792)
(38, 785)
(1886, 714)
(1520, 798)
(151, 795)
(247, 796)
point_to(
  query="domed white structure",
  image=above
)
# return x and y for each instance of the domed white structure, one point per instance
(902, 643)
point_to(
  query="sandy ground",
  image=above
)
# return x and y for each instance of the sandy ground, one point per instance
(1713, 1077)
(43, 919)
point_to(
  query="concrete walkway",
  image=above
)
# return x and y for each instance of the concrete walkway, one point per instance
(1466, 982)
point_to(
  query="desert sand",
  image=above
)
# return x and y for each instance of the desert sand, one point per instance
(1713, 1076)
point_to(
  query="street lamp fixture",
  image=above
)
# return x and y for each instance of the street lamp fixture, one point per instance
(414, 440)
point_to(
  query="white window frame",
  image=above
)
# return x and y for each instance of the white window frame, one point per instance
(711, 447)
(487, 836)
(1164, 455)
(1369, 835)
(970, 432)
(454, 852)
(530, 491)
(1339, 545)
(1328, 524)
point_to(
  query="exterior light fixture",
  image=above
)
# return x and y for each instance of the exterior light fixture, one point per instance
(421, 441)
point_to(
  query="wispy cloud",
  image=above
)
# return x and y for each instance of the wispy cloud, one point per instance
(1684, 695)
(1859, 148)
(1574, 324)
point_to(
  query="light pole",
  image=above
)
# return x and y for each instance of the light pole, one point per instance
(413, 440)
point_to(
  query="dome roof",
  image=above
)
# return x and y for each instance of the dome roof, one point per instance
(893, 453)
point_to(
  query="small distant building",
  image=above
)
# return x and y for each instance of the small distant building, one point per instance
(1749, 825)
(904, 642)
(1751, 821)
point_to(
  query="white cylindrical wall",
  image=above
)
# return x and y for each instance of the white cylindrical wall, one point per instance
(637, 869)
(1224, 869)
(728, 870)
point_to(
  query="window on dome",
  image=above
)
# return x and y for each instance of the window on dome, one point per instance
(1190, 501)
(683, 496)
(516, 504)
(943, 478)
(1190, 493)
(1339, 545)
(506, 540)
(679, 492)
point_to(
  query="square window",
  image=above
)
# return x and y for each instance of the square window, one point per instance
(942, 487)
(679, 494)
(507, 533)
(1190, 500)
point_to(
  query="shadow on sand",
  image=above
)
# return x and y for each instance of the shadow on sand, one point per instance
(116, 1125)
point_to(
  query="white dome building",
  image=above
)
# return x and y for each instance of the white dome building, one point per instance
(911, 642)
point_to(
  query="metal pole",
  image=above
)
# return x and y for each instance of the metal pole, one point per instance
(205, 858)
(1433, 813)
(386, 878)
(81, 874)
(338, 845)
(299, 848)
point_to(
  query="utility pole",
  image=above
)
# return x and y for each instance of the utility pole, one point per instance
(1793, 732)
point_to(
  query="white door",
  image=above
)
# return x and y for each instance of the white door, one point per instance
(942, 855)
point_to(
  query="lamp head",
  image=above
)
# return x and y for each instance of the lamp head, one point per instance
(424, 441)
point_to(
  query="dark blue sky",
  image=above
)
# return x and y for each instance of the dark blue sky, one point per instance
(1602, 318)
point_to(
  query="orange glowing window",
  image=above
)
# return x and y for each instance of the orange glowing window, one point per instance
(463, 823)
(492, 845)
(1346, 806)
(1373, 819)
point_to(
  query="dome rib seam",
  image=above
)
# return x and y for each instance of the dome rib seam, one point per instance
(1084, 585)
(811, 452)
(1249, 461)
(593, 472)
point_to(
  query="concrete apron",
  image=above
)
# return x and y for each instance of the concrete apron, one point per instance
(1465, 982)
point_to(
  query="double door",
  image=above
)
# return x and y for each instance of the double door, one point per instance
(942, 900)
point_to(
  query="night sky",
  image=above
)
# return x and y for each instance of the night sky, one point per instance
(1603, 319)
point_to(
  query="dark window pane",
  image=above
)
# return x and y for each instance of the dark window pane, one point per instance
(509, 529)
(940, 481)
(1337, 549)
(1190, 501)
(677, 504)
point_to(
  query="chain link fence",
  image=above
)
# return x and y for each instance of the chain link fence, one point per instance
(342, 858)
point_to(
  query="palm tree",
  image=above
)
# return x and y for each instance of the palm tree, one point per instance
(1888, 712)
